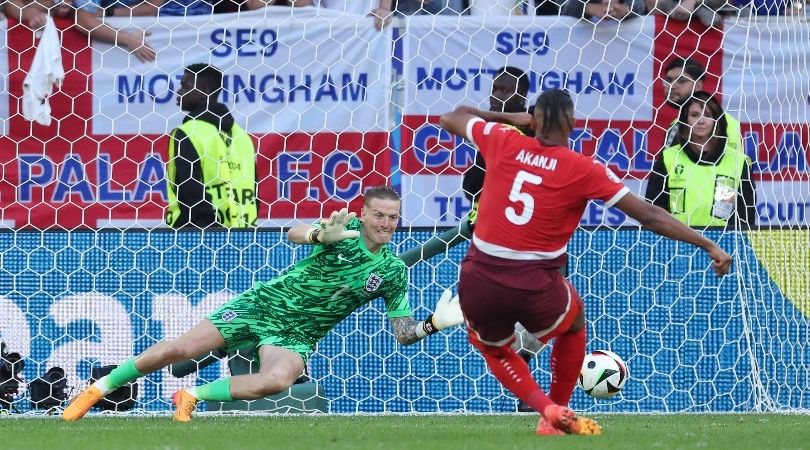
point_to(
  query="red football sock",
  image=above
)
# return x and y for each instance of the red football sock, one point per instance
(513, 373)
(566, 363)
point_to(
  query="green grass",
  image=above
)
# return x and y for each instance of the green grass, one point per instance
(748, 431)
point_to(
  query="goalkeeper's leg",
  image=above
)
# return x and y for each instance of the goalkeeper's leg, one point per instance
(280, 368)
(189, 366)
(204, 337)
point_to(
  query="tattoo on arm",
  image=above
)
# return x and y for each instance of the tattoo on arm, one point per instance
(405, 330)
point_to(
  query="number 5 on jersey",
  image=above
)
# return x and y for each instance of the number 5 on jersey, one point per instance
(516, 195)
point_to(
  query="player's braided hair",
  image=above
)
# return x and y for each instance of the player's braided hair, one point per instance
(380, 192)
(556, 105)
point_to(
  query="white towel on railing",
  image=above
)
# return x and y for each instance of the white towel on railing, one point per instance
(45, 71)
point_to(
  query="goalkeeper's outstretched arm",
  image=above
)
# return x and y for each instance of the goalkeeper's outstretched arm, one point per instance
(447, 314)
(438, 244)
(327, 231)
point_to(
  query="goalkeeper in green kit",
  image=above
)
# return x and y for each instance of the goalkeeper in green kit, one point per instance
(350, 265)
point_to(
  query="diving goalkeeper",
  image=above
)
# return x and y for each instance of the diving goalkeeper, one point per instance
(350, 265)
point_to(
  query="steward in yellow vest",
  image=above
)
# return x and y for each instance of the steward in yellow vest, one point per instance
(704, 179)
(212, 160)
(510, 89)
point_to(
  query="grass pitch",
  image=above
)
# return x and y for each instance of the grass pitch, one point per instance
(389, 432)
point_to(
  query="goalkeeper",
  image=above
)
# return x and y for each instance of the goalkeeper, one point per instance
(350, 266)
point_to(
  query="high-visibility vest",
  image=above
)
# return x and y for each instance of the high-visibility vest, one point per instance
(703, 195)
(228, 165)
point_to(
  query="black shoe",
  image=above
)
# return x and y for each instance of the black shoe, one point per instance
(524, 407)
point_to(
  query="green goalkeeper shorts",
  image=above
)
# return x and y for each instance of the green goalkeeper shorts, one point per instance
(243, 321)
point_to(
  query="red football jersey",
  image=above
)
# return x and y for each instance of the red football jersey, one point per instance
(533, 196)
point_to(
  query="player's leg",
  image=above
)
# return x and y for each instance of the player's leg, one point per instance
(243, 320)
(558, 313)
(203, 337)
(189, 366)
(568, 353)
(280, 368)
(527, 347)
(490, 311)
(511, 370)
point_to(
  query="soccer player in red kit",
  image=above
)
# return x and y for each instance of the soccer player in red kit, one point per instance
(534, 195)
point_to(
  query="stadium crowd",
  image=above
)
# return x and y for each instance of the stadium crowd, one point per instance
(89, 14)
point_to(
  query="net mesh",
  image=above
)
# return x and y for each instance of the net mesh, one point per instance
(89, 276)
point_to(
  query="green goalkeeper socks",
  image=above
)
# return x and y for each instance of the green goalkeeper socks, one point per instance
(219, 391)
(121, 375)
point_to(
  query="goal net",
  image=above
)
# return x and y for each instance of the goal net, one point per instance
(91, 276)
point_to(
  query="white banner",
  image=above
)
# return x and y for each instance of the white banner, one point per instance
(608, 67)
(429, 200)
(766, 70)
(309, 71)
(4, 100)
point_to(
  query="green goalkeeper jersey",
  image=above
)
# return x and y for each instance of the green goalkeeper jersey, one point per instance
(331, 283)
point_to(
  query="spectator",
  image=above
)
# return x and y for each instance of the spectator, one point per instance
(411, 7)
(510, 89)
(596, 10)
(497, 7)
(231, 6)
(547, 7)
(89, 15)
(682, 78)
(381, 10)
(777, 7)
(704, 10)
(33, 13)
(212, 161)
(157, 7)
(702, 180)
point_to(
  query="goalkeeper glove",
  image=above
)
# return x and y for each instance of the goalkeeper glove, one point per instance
(334, 230)
(447, 314)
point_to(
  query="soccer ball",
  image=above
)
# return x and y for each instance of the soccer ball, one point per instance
(603, 374)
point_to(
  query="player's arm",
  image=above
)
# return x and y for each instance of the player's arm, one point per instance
(326, 231)
(304, 234)
(457, 121)
(661, 222)
(438, 244)
(447, 314)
